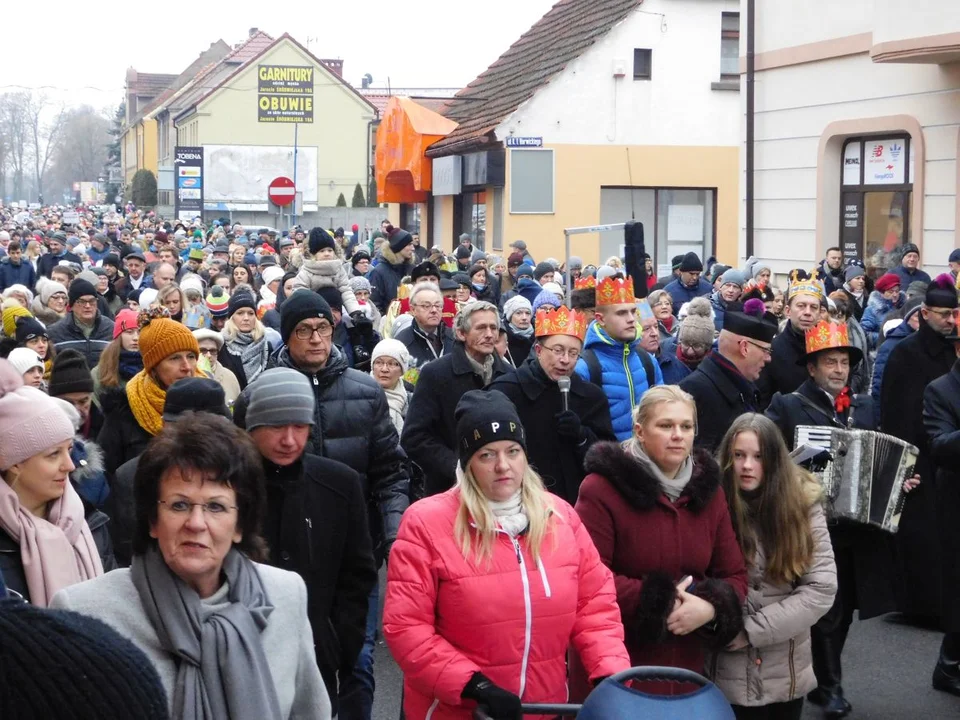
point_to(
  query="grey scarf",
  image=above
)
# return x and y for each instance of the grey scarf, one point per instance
(222, 671)
(485, 371)
(672, 487)
(253, 354)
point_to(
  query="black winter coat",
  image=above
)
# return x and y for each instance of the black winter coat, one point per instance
(21, 274)
(316, 526)
(941, 420)
(430, 429)
(787, 369)
(385, 278)
(788, 410)
(519, 348)
(11, 562)
(558, 460)
(421, 351)
(67, 334)
(914, 363)
(46, 263)
(353, 426)
(123, 511)
(121, 438)
(721, 398)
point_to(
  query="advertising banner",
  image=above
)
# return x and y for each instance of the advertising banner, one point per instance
(285, 93)
(188, 200)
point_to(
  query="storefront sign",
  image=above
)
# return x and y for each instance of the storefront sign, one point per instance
(851, 236)
(885, 162)
(851, 164)
(285, 93)
(188, 200)
(524, 142)
(447, 175)
(482, 169)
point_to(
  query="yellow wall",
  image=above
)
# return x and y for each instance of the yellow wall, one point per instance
(147, 130)
(129, 150)
(339, 129)
(580, 172)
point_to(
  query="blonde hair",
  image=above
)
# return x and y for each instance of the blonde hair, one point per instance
(230, 330)
(614, 262)
(659, 395)
(170, 290)
(475, 529)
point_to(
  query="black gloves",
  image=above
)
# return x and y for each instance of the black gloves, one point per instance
(568, 425)
(359, 318)
(499, 704)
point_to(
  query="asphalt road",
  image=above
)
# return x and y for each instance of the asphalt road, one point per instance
(886, 666)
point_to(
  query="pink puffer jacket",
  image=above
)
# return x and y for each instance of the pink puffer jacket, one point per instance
(513, 618)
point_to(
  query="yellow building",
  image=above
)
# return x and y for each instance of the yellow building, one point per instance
(600, 113)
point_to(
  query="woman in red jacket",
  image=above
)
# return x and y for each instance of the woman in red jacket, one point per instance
(659, 518)
(490, 582)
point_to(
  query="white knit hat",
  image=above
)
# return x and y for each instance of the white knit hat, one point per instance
(208, 334)
(23, 359)
(393, 349)
(271, 273)
(191, 281)
(517, 302)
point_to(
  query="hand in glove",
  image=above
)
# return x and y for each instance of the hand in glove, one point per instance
(568, 425)
(499, 704)
(359, 318)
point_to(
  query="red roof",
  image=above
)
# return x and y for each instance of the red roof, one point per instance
(567, 30)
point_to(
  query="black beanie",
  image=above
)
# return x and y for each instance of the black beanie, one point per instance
(29, 327)
(332, 296)
(111, 259)
(483, 417)
(463, 252)
(424, 269)
(675, 262)
(320, 239)
(80, 288)
(300, 306)
(70, 374)
(542, 269)
(398, 238)
(941, 293)
(58, 663)
(239, 300)
(358, 256)
(691, 263)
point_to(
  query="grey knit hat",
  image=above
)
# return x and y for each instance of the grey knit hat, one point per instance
(359, 284)
(281, 396)
(477, 255)
(697, 327)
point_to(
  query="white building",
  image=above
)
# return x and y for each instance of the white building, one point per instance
(856, 129)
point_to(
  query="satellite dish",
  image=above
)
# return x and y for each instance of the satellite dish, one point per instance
(366, 81)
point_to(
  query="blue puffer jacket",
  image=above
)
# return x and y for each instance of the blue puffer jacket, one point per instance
(22, 274)
(673, 369)
(681, 294)
(883, 354)
(624, 377)
(878, 307)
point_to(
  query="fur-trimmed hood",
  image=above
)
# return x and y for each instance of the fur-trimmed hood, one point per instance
(390, 257)
(44, 314)
(639, 488)
(90, 457)
(881, 305)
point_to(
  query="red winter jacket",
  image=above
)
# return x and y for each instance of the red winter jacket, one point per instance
(650, 544)
(512, 619)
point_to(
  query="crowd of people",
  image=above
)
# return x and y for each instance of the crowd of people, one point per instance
(211, 441)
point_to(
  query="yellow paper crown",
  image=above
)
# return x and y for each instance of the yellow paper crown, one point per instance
(827, 336)
(562, 321)
(585, 283)
(805, 284)
(615, 292)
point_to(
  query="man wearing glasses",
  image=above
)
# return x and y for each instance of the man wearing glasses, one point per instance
(83, 328)
(723, 383)
(427, 338)
(559, 429)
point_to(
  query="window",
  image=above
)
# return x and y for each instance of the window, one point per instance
(474, 218)
(730, 47)
(642, 63)
(531, 181)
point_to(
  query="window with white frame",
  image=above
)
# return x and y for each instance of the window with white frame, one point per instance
(531, 181)
(730, 46)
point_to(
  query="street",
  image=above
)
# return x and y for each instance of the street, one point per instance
(886, 665)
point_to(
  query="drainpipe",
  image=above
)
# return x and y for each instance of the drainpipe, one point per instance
(751, 16)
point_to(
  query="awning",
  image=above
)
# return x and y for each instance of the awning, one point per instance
(404, 172)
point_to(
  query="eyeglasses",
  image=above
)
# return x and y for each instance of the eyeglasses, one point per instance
(386, 364)
(942, 313)
(59, 296)
(182, 507)
(86, 302)
(763, 348)
(305, 332)
(559, 351)
(209, 351)
(430, 306)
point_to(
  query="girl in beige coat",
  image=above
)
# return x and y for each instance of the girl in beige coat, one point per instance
(778, 519)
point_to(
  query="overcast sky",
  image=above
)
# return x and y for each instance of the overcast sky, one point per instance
(81, 56)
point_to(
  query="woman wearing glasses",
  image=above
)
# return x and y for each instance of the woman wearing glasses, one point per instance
(50, 303)
(228, 636)
(389, 363)
(211, 343)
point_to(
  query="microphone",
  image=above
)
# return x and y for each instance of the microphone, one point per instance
(564, 384)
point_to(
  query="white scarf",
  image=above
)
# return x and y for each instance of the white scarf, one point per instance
(510, 514)
(397, 403)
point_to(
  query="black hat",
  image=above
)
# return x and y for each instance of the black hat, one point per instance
(462, 279)
(483, 417)
(524, 271)
(691, 263)
(542, 269)
(751, 322)
(398, 238)
(111, 259)
(474, 269)
(56, 659)
(80, 288)
(424, 269)
(320, 239)
(135, 255)
(29, 328)
(301, 305)
(675, 261)
(941, 293)
(332, 296)
(448, 284)
(463, 252)
(70, 374)
(909, 248)
(358, 256)
(196, 394)
(239, 300)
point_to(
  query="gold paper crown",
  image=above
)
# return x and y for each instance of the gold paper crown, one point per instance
(805, 284)
(562, 321)
(585, 283)
(827, 336)
(615, 292)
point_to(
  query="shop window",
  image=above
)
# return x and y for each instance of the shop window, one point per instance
(531, 181)
(877, 178)
(410, 218)
(730, 46)
(474, 218)
(642, 63)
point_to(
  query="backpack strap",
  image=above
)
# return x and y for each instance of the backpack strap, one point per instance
(593, 366)
(647, 366)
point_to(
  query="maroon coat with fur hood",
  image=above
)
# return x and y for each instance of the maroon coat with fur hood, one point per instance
(650, 544)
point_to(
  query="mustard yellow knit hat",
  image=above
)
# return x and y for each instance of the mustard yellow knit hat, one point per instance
(10, 316)
(161, 337)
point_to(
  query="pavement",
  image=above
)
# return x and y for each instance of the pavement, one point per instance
(886, 666)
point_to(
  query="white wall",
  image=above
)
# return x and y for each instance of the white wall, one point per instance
(585, 104)
(904, 19)
(787, 23)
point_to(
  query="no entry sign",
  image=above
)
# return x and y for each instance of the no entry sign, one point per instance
(281, 191)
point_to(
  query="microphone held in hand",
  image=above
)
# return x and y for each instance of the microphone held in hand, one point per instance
(564, 384)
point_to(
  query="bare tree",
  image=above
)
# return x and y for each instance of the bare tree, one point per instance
(82, 151)
(14, 128)
(45, 134)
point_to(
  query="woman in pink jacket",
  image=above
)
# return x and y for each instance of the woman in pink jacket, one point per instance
(491, 582)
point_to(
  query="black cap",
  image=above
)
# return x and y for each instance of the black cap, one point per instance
(195, 394)
(358, 256)
(424, 269)
(483, 417)
(691, 263)
(240, 300)
(80, 288)
(29, 328)
(398, 238)
(70, 374)
(320, 239)
(941, 293)
(332, 296)
(463, 252)
(135, 255)
(751, 322)
(675, 261)
(448, 284)
(111, 259)
(542, 269)
(301, 305)
(462, 279)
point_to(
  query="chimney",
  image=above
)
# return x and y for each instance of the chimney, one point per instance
(254, 31)
(334, 66)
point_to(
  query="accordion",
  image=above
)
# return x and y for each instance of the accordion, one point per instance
(863, 479)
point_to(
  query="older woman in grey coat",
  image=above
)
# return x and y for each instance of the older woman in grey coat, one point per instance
(229, 637)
